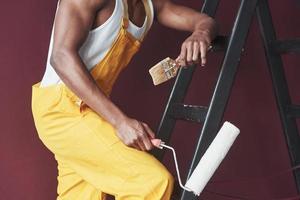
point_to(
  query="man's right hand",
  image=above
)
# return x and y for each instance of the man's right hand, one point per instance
(135, 134)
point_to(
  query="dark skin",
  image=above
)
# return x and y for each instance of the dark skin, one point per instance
(75, 18)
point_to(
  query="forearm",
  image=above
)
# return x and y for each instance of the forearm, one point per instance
(75, 75)
(185, 19)
(204, 29)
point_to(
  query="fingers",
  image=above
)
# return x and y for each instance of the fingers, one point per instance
(137, 135)
(145, 134)
(134, 145)
(203, 50)
(192, 51)
(149, 131)
(141, 144)
(196, 52)
(189, 49)
(147, 143)
(180, 61)
(182, 57)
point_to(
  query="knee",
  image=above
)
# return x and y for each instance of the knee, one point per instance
(152, 182)
(164, 181)
(167, 177)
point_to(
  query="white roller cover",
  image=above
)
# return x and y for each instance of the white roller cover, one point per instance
(212, 158)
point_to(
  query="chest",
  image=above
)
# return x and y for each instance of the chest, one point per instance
(136, 11)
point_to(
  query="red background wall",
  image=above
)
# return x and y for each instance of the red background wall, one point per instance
(28, 169)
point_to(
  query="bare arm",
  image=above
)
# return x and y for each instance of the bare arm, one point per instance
(73, 22)
(204, 29)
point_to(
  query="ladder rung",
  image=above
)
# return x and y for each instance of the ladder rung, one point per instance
(293, 111)
(219, 43)
(188, 112)
(287, 46)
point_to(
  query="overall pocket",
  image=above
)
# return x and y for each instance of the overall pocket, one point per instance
(68, 104)
(54, 103)
(44, 99)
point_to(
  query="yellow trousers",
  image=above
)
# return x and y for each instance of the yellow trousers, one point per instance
(91, 159)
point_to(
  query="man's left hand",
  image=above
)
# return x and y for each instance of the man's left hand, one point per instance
(194, 48)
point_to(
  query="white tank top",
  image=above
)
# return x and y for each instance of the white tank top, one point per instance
(98, 42)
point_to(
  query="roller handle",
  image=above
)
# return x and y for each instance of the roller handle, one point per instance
(160, 144)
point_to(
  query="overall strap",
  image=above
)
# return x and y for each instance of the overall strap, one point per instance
(125, 20)
(149, 15)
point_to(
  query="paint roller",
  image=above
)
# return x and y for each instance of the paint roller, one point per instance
(209, 162)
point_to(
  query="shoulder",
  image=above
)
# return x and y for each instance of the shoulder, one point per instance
(99, 3)
(92, 4)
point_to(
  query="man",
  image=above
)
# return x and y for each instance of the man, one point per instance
(99, 149)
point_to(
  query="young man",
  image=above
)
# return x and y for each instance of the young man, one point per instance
(99, 149)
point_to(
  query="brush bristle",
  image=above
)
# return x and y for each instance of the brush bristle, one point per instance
(158, 73)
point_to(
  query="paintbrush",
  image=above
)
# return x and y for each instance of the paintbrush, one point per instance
(164, 71)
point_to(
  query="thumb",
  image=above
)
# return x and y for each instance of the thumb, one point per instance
(179, 61)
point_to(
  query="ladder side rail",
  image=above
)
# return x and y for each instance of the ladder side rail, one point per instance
(280, 86)
(210, 7)
(224, 84)
(177, 95)
(179, 90)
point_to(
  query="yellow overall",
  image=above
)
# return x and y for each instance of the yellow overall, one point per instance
(92, 160)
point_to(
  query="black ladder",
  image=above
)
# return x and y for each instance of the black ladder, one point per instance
(212, 115)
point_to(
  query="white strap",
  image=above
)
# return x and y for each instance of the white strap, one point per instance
(149, 15)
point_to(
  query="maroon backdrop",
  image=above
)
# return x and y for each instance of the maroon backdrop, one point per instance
(28, 169)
